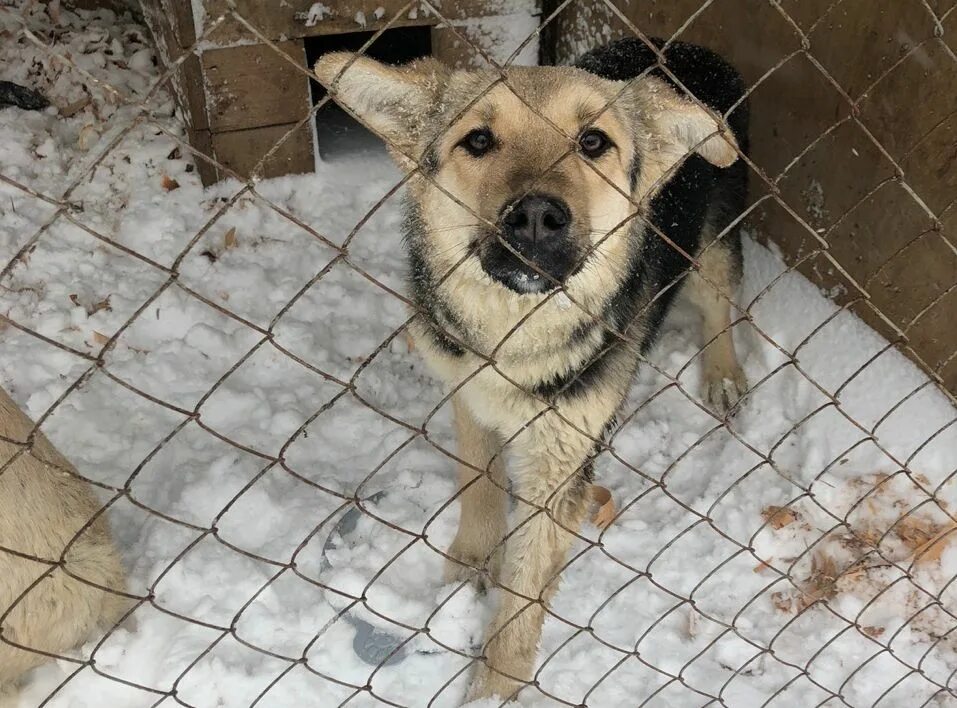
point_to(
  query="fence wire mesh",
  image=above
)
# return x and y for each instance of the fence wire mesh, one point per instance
(868, 559)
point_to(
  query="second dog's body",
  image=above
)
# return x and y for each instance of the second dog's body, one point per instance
(539, 281)
(48, 516)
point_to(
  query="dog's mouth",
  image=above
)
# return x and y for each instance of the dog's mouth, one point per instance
(544, 268)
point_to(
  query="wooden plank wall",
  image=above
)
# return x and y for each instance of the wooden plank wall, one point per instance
(236, 83)
(894, 68)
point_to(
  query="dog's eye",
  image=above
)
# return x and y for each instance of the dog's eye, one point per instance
(593, 143)
(478, 142)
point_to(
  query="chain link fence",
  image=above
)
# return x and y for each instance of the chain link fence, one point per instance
(804, 570)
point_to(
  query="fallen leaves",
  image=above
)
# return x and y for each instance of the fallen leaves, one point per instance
(87, 137)
(821, 584)
(93, 308)
(779, 516)
(605, 514)
(926, 540)
(169, 184)
(71, 109)
(229, 241)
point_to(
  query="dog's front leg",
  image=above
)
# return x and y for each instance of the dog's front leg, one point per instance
(477, 549)
(550, 482)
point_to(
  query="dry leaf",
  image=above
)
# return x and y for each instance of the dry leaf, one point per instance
(783, 602)
(169, 184)
(86, 137)
(101, 305)
(873, 631)
(100, 338)
(761, 567)
(95, 307)
(606, 506)
(230, 238)
(779, 516)
(931, 550)
(692, 623)
(820, 584)
(71, 109)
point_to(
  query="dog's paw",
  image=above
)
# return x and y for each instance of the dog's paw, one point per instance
(491, 684)
(468, 566)
(724, 389)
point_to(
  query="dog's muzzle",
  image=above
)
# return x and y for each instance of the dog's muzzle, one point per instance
(537, 227)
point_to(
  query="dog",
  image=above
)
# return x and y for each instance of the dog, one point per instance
(49, 519)
(551, 215)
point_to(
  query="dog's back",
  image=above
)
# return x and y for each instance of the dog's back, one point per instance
(701, 200)
(44, 505)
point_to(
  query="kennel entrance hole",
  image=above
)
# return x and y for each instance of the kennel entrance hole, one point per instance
(337, 133)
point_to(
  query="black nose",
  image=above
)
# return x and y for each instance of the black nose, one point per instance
(535, 218)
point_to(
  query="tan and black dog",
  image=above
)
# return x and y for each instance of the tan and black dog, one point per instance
(539, 281)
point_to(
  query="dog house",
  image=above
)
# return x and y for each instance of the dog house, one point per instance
(240, 96)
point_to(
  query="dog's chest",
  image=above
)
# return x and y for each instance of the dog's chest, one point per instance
(499, 383)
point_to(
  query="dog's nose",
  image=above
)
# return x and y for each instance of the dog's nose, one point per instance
(535, 218)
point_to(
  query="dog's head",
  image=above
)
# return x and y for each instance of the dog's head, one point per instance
(529, 179)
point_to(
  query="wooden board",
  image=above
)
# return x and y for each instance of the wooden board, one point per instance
(884, 59)
(171, 24)
(254, 86)
(291, 19)
(240, 150)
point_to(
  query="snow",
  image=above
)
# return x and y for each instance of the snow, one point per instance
(283, 340)
(316, 13)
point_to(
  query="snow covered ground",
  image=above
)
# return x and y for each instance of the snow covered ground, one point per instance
(226, 514)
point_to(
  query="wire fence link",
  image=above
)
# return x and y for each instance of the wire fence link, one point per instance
(836, 591)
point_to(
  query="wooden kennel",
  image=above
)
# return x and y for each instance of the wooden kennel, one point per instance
(239, 95)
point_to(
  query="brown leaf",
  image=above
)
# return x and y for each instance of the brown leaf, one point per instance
(169, 184)
(779, 516)
(761, 567)
(606, 507)
(230, 238)
(100, 338)
(86, 137)
(931, 550)
(71, 109)
(101, 305)
(916, 531)
(783, 602)
(95, 307)
(873, 631)
(820, 584)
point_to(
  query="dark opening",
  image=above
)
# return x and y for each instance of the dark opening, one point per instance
(337, 132)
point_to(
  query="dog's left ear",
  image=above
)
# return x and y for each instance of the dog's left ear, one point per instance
(685, 124)
(389, 99)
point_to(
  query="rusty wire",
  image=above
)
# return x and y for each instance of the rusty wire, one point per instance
(65, 210)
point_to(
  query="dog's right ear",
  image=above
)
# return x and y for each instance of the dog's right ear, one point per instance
(391, 100)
